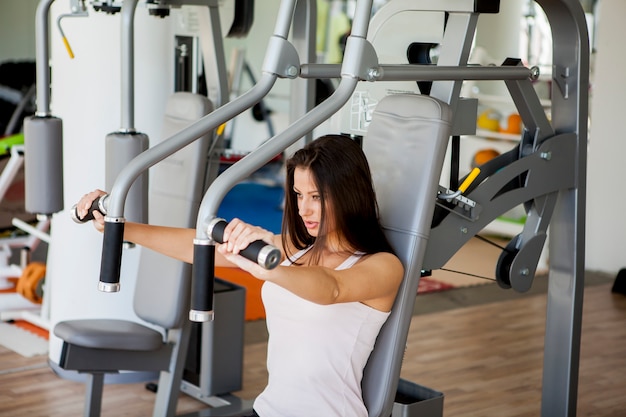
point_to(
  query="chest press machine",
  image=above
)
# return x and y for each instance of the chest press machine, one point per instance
(405, 142)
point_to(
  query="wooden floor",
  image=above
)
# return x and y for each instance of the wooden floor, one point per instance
(486, 359)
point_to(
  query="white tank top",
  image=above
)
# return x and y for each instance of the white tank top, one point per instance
(316, 353)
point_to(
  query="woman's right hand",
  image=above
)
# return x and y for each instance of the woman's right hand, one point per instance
(84, 204)
(238, 235)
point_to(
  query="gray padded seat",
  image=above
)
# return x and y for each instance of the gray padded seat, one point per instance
(405, 145)
(109, 334)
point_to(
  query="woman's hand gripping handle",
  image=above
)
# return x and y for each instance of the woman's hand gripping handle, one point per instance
(203, 276)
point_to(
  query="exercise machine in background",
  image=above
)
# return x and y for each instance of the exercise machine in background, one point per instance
(549, 149)
(29, 230)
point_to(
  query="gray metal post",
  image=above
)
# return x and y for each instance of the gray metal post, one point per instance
(43, 133)
(416, 72)
(170, 380)
(42, 61)
(126, 143)
(455, 50)
(93, 400)
(303, 39)
(570, 73)
(214, 58)
(128, 66)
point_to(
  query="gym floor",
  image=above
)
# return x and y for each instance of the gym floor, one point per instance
(481, 346)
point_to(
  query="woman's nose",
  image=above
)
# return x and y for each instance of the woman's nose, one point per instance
(304, 207)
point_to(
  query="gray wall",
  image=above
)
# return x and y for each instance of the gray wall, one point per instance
(606, 223)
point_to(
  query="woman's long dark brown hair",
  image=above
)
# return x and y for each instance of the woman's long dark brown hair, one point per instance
(343, 178)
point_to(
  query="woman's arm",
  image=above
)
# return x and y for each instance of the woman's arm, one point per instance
(170, 241)
(373, 281)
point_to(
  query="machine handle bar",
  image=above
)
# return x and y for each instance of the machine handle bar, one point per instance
(99, 204)
(266, 255)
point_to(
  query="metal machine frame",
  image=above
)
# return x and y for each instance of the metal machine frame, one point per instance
(561, 142)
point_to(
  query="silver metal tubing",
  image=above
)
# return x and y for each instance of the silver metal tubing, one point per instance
(260, 156)
(128, 65)
(284, 18)
(320, 70)
(411, 72)
(434, 72)
(359, 57)
(302, 96)
(201, 316)
(149, 157)
(454, 51)
(42, 60)
(157, 153)
(108, 286)
(37, 232)
(213, 56)
(530, 109)
(360, 24)
(451, 6)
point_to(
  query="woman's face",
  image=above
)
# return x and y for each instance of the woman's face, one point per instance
(309, 200)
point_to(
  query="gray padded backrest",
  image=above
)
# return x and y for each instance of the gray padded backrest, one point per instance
(405, 144)
(176, 189)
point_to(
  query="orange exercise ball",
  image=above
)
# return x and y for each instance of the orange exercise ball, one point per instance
(513, 125)
(484, 155)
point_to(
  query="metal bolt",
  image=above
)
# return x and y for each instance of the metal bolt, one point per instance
(373, 73)
(464, 230)
(292, 71)
(534, 73)
(524, 272)
(546, 155)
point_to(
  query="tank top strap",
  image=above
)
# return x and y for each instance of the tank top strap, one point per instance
(348, 263)
(351, 260)
(289, 261)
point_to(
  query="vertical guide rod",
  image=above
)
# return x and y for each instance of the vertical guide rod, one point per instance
(42, 60)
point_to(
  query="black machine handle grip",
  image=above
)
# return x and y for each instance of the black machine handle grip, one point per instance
(266, 255)
(96, 205)
(112, 244)
(111, 255)
(203, 271)
(202, 281)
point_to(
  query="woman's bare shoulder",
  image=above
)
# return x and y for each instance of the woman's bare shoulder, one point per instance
(384, 261)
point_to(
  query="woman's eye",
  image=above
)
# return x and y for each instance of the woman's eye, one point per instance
(316, 197)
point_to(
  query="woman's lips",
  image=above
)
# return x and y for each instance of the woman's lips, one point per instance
(311, 225)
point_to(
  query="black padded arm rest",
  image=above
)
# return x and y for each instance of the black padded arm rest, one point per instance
(109, 334)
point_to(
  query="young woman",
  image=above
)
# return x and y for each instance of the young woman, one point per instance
(326, 302)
